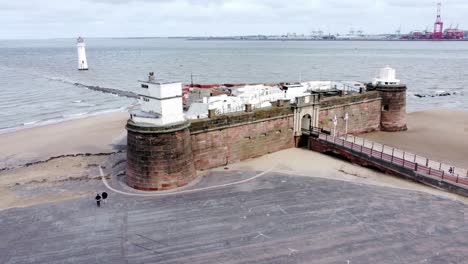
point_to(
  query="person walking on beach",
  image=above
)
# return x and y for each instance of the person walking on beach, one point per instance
(104, 197)
(98, 200)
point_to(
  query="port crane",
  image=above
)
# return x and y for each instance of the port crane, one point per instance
(438, 25)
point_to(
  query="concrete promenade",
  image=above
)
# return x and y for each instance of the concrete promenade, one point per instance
(276, 218)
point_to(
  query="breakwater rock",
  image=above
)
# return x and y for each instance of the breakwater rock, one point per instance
(117, 92)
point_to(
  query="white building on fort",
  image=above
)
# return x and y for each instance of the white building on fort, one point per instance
(161, 103)
(386, 76)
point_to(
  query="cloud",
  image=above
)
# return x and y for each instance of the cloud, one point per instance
(125, 18)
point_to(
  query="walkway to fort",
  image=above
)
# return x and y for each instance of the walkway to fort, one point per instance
(401, 158)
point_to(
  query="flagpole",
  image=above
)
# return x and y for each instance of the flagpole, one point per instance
(335, 122)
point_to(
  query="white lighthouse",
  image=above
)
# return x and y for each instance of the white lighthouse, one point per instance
(82, 63)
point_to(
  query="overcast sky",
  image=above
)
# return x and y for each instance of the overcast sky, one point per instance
(132, 18)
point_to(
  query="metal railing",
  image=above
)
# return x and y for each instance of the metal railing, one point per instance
(239, 108)
(396, 156)
(234, 109)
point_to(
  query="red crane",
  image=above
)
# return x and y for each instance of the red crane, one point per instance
(438, 25)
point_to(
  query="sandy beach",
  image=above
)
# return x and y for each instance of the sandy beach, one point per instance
(61, 177)
(438, 134)
(95, 134)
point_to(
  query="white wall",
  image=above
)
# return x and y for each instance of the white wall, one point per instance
(165, 90)
(82, 62)
(164, 99)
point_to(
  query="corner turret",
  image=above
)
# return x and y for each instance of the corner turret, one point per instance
(393, 113)
(159, 152)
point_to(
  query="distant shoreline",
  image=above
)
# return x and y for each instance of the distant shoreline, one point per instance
(239, 39)
(325, 40)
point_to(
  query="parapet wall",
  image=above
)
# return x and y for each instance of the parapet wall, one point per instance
(364, 112)
(238, 136)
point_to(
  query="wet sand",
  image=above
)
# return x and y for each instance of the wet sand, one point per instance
(439, 134)
(95, 134)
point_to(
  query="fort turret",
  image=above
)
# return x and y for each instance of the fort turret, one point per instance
(159, 154)
(393, 113)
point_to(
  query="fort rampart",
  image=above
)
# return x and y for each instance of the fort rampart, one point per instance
(238, 136)
(364, 112)
(167, 157)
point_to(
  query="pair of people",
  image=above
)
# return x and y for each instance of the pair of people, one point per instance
(451, 170)
(99, 197)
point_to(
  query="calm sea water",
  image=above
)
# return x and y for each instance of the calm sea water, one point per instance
(37, 76)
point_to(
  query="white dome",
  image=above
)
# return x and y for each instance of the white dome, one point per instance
(386, 76)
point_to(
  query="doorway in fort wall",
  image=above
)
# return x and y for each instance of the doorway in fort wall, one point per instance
(306, 123)
(306, 115)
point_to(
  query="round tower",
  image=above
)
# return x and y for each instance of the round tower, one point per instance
(393, 115)
(159, 151)
(81, 47)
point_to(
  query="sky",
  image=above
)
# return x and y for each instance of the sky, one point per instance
(31, 19)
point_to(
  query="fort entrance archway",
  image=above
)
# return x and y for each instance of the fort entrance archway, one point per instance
(306, 122)
(306, 115)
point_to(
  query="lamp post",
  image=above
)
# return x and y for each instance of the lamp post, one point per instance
(346, 117)
(335, 122)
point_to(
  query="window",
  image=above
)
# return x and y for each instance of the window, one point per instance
(146, 99)
(385, 108)
(144, 86)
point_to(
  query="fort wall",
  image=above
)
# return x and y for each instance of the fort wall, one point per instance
(238, 136)
(159, 158)
(166, 157)
(364, 112)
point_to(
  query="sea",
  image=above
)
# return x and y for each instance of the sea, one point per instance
(38, 77)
